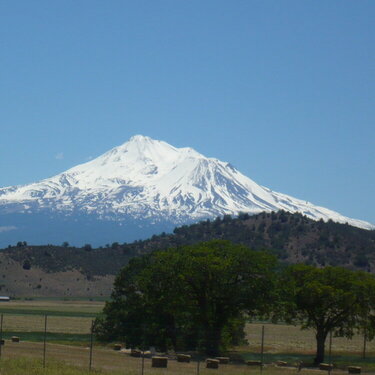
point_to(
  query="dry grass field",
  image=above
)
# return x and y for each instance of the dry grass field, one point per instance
(291, 344)
(63, 307)
(70, 324)
(35, 323)
(37, 282)
(67, 321)
(109, 361)
(282, 338)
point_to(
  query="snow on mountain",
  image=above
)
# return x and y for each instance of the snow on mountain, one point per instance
(150, 179)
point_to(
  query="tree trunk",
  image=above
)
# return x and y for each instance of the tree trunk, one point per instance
(321, 336)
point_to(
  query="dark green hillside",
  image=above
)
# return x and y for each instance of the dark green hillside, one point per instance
(91, 262)
(292, 237)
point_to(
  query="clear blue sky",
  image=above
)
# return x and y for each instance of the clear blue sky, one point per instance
(283, 90)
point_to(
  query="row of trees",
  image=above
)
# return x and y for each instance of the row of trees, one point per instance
(200, 296)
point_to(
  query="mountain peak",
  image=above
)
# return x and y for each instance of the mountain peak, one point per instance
(140, 138)
(143, 148)
(147, 179)
(138, 143)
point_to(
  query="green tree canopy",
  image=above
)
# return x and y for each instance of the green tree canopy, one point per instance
(331, 299)
(190, 297)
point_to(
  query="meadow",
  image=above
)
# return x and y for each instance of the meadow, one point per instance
(68, 321)
(68, 338)
(66, 307)
(17, 366)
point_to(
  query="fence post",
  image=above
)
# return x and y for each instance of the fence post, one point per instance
(143, 362)
(91, 343)
(364, 344)
(262, 350)
(1, 334)
(198, 365)
(330, 347)
(330, 352)
(45, 341)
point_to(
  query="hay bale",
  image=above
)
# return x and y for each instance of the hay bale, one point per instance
(326, 366)
(212, 363)
(117, 347)
(254, 363)
(159, 361)
(135, 353)
(354, 369)
(281, 363)
(147, 354)
(15, 339)
(183, 358)
(223, 360)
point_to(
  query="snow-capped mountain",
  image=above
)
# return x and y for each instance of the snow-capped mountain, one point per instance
(150, 181)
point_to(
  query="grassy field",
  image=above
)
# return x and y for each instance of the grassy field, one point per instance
(26, 358)
(291, 344)
(33, 367)
(286, 338)
(55, 324)
(78, 308)
(70, 321)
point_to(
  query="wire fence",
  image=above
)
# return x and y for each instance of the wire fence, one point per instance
(270, 348)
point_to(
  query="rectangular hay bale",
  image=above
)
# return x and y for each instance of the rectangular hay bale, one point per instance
(135, 353)
(147, 354)
(15, 339)
(326, 366)
(183, 358)
(354, 369)
(212, 363)
(159, 361)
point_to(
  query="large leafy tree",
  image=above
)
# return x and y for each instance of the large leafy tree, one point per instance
(331, 299)
(194, 296)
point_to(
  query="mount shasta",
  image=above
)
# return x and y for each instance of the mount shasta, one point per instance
(135, 190)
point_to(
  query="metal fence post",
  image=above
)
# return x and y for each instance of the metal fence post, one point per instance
(364, 345)
(1, 334)
(45, 341)
(143, 362)
(91, 343)
(262, 350)
(330, 352)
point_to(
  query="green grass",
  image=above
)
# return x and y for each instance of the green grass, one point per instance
(78, 314)
(53, 307)
(79, 299)
(56, 338)
(18, 366)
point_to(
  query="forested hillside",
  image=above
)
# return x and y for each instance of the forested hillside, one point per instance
(292, 237)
